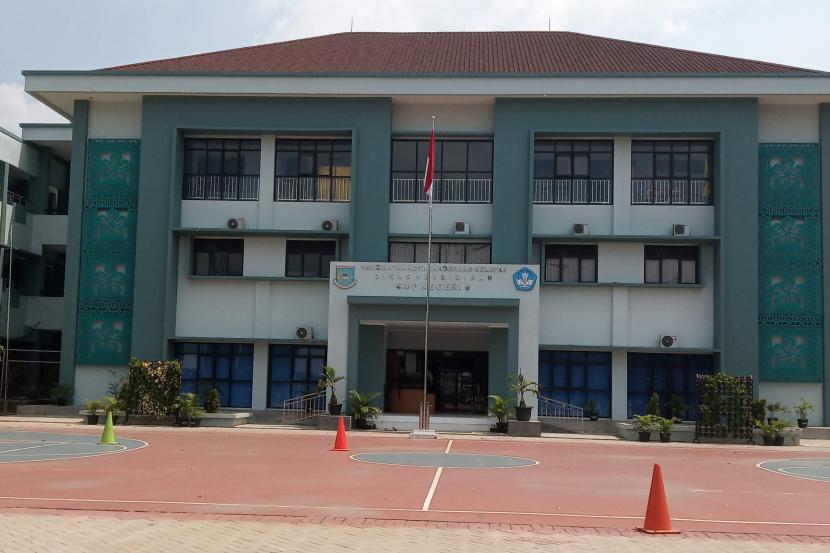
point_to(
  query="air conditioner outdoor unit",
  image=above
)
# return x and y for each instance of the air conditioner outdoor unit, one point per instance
(680, 230)
(304, 332)
(667, 341)
(462, 227)
(581, 229)
(329, 225)
(235, 223)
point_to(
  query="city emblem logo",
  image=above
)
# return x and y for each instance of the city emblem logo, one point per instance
(344, 276)
(524, 279)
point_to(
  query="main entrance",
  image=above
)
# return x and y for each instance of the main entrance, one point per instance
(456, 381)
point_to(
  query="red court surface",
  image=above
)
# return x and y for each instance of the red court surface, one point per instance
(575, 483)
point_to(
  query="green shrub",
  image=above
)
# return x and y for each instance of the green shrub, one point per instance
(153, 387)
(212, 401)
(653, 406)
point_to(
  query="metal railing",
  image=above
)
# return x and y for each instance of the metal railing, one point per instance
(16, 199)
(671, 191)
(562, 412)
(455, 191)
(203, 187)
(572, 191)
(303, 407)
(313, 189)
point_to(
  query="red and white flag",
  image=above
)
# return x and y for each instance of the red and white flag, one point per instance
(430, 166)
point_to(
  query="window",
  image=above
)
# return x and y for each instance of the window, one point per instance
(313, 170)
(221, 169)
(671, 264)
(227, 367)
(308, 258)
(463, 171)
(573, 171)
(218, 257)
(565, 263)
(671, 172)
(577, 376)
(442, 252)
(671, 376)
(294, 371)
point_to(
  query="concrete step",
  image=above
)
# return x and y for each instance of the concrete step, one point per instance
(441, 423)
(816, 433)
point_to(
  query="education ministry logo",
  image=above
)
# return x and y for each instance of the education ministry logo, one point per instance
(524, 279)
(344, 276)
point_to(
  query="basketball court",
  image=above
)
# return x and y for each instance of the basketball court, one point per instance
(390, 477)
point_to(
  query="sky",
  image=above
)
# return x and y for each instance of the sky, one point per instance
(92, 34)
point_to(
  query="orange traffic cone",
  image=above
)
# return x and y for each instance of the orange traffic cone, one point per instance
(340, 442)
(657, 512)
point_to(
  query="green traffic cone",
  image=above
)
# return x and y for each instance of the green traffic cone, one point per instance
(108, 437)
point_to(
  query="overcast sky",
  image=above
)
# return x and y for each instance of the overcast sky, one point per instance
(91, 34)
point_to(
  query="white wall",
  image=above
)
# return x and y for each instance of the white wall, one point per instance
(413, 218)
(45, 312)
(658, 220)
(575, 316)
(309, 215)
(790, 394)
(439, 339)
(46, 229)
(114, 119)
(620, 262)
(16, 153)
(452, 117)
(559, 219)
(685, 313)
(213, 214)
(788, 123)
(92, 381)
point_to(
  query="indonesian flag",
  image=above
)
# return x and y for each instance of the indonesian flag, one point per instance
(430, 166)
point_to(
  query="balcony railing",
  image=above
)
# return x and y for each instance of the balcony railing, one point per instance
(671, 191)
(313, 189)
(448, 191)
(572, 191)
(16, 199)
(201, 187)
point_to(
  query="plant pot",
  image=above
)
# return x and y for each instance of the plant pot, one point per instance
(665, 437)
(645, 436)
(593, 418)
(500, 427)
(779, 440)
(802, 423)
(91, 419)
(363, 424)
(523, 413)
(335, 408)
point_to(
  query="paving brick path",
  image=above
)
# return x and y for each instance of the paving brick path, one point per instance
(70, 532)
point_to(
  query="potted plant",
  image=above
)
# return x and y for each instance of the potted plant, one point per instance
(773, 431)
(363, 410)
(61, 394)
(677, 407)
(93, 409)
(499, 408)
(774, 409)
(653, 405)
(590, 409)
(188, 412)
(212, 401)
(520, 385)
(803, 408)
(328, 380)
(665, 426)
(644, 425)
(759, 410)
(111, 405)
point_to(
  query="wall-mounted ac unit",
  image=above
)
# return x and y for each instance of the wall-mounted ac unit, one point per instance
(329, 225)
(235, 223)
(668, 341)
(462, 227)
(304, 332)
(581, 229)
(680, 230)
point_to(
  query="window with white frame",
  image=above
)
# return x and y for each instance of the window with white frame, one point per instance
(671, 264)
(671, 172)
(570, 263)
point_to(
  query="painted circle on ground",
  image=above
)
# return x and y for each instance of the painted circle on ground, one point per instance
(810, 469)
(20, 447)
(445, 460)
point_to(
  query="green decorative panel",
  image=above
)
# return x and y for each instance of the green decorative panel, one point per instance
(789, 273)
(108, 238)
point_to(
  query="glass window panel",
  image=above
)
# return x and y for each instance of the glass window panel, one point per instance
(577, 376)
(601, 166)
(662, 166)
(224, 388)
(215, 144)
(563, 165)
(311, 264)
(688, 271)
(543, 167)
(315, 368)
(570, 269)
(243, 367)
(325, 264)
(249, 162)
(223, 367)
(421, 253)
(700, 166)
(580, 165)
(670, 271)
(452, 253)
(235, 263)
(241, 394)
(189, 365)
(564, 145)
(342, 164)
(588, 270)
(478, 253)
(205, 367)
(231, 164)
(300, 369)
(306, 163)
(581, 145)
(662, 146)
(214, 162)
(287, 163)
(552, 269)
(294, 264)
(681, 165)
(455, 156)
(195, 143)
(280, 368)
(279, 393)
(642, 165)
(480, 156)
(188, 386)
(195, 162)
(201, 263)
(402, 252)
(323, 163)
(560, 376)
(652, 270)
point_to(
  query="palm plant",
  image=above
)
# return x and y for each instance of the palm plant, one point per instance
(520, 385)
(328, 380)
(363, 409)
(499, 408)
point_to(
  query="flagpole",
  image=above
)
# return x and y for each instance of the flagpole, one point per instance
(424, 422)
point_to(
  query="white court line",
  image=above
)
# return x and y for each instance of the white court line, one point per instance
(435, 480)
(52, 457)
(5, 451)
(449, 445)
(402, 510)
(776, 471)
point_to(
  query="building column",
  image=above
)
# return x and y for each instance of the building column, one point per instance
(621, 218)
(371, 365)
(259, 395)
(824, 139)
(619, 385)
(498, 361)
(38, 199)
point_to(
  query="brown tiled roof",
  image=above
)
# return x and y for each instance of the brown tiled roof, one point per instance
(475, 53)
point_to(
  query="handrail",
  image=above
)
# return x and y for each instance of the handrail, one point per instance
(561, 411)
(303, 407)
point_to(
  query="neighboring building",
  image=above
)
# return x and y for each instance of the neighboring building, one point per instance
(34, 174)
(611, 218)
